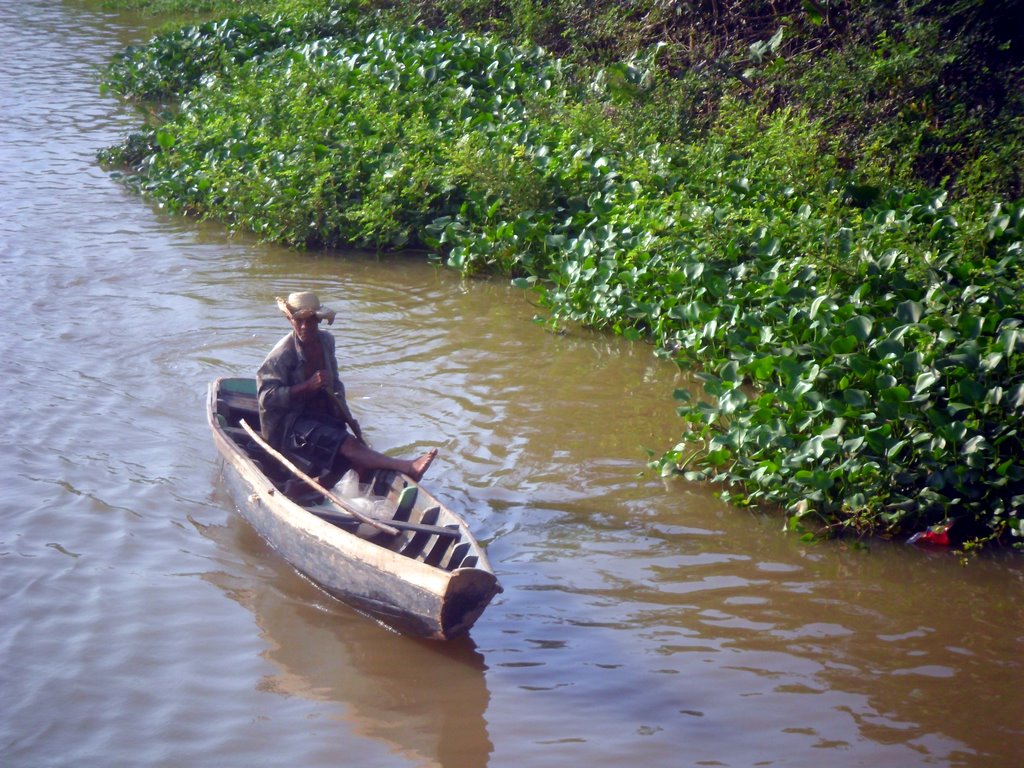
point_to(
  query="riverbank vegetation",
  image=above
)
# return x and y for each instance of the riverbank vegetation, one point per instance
(816, 205)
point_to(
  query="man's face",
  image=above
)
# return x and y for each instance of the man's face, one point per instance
(306, 328)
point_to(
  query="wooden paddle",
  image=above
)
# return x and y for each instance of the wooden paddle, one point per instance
(314, 484)
(402, 525)
(342, 411)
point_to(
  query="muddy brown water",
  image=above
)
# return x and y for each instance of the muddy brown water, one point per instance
(643, 622)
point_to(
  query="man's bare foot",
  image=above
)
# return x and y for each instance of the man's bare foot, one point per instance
(422, 464)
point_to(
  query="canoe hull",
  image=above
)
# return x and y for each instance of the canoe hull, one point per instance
(375, 577)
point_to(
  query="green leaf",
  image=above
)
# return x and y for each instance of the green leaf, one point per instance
(762, 368)
(859, 327)
(164, 138)
(862, 365)
(924, 382)
(719, 458)
(815, 12)
(732, 400)
(888, 259)
(1009, 339)
(817, 478)
(909, 311)
(843, 345)
(991, 361)
(894, 450)
(729, 371)
(816, 305)
(858, 398)
(804, 476)
(969, 391)
(975, 444)
(970, 326)
(836, 428)
(896, 394)
(853, 444)
(1016, 397)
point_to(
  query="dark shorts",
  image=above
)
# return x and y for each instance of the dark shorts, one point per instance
(316, 440)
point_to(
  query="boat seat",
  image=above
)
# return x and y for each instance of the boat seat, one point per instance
(238, 401)
(406, 501)
(415, 546)
(430, 516)
(439, 550)
(458, 554)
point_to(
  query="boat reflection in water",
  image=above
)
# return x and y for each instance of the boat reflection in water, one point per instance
(426, 699)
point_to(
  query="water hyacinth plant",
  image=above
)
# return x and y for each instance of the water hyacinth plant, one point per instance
(316, 138)
(861, 348)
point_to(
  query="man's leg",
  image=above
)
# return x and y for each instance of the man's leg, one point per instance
(365, 460)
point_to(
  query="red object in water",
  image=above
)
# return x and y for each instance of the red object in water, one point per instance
(937, 535)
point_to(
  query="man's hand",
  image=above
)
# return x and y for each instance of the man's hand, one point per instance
(318, 381)
(314, 383)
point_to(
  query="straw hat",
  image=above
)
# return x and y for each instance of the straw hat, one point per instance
(304, 304)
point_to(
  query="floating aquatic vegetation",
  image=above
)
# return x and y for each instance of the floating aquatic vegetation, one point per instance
(861, 349)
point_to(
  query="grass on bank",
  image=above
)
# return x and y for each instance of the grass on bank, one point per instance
(860, 339)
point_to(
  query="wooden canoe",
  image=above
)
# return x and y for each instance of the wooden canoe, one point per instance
(431, 578)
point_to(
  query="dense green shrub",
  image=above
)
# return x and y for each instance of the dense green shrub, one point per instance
(858, 328)
(320, 133)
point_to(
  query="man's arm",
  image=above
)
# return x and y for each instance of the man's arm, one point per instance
(272, 386)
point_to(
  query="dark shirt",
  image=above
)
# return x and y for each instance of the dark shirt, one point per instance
(282, 369)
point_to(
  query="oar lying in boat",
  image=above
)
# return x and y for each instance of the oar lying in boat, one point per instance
(314, 484)
(402, 525)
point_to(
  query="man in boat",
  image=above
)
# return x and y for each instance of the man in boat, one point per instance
(303, 411)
